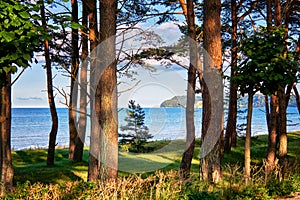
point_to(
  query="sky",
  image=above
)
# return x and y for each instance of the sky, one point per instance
(153, 88)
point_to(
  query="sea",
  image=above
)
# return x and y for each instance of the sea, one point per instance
(31, 126)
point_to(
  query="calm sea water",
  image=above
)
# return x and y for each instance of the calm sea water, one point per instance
(31, 126)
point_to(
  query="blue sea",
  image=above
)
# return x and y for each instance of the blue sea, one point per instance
(31, 126)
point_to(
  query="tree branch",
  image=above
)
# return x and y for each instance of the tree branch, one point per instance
(248, 11)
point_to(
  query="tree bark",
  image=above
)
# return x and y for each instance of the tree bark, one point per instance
(283, 160)
(6, 168)
(106, 93)
(187, 156)
(54, 127)
(74, 85)
(272, 135)
(248, 139)
(82, 121)
(282, 121)
(94, 153)
(269, 14)
(212, 112)
(277, 15)
(230, 134)
(272, 117)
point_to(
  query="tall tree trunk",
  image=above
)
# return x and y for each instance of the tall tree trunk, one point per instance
(282, 120)
(6, 168)
(74, 85)
(54, 127)
(187, 156)
(272, 117)
(272, 135)
(248, 138)
(79, 142)
(106, 92)
(94, 153)
(230, 134)
(212, 112)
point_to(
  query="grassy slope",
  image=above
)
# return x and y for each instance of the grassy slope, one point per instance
(31, 164)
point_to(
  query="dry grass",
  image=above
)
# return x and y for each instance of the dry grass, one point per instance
(66, 181)
(158, 186)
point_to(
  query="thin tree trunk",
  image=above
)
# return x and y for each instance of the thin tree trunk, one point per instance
(297, 97)
(288, 94)
(248, 139)
(269, 4)
(269, 14)
(230, 134)
(6, 168)
(267, 112)
(187, 156)
(94, 154)
(79, 142)
(54, 127)
(106, 93)
(294, 85)
(74, 86)
(212, 112)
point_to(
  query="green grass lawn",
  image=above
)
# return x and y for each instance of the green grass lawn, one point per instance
(30, 168)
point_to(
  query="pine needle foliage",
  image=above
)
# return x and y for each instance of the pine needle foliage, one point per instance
(135, 133)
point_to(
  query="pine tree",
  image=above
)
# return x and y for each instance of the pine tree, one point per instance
(135, 133)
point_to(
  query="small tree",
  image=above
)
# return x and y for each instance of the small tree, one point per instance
(135, 133)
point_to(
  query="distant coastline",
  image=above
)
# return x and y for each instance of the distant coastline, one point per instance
(258, 102)
(180, 101)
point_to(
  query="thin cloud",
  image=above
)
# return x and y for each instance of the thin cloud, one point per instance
(29, 98)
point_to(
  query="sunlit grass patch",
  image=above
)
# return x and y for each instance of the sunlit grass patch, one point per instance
(151, 161)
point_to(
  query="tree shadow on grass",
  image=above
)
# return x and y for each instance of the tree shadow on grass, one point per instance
(30, 165)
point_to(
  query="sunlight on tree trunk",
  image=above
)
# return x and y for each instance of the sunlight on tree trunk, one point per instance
(211, 163)
(283, 160)
(248, 139)
(106, 93)
(272, 136)
(6, 168)
(94, 153)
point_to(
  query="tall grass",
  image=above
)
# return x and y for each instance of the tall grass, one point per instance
(66, 180)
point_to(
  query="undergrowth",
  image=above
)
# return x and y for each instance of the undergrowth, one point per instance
(67, 180)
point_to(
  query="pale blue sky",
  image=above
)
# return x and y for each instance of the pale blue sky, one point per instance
(30, 89)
